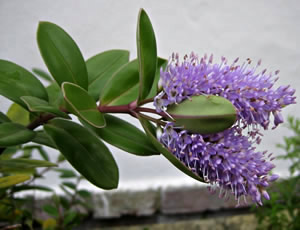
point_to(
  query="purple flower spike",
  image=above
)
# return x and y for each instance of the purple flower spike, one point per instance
(227, 159)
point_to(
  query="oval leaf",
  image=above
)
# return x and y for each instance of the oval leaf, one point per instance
(23, 83)
(204, 114)
(85, 152)
(178, 164)
(125, 136)
(147, 54)
(61, 55)
(8, 181)
(14, 134)
(38, 105)
(82, 104)
(123, 87)
(102, 66)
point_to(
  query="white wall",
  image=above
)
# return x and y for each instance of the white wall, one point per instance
(264, 29)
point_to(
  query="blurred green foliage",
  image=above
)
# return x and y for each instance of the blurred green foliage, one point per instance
(282, 211)
(62, 211)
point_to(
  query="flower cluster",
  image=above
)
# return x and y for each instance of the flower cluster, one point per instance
(227, 159)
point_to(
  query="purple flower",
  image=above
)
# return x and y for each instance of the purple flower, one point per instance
(227, 159)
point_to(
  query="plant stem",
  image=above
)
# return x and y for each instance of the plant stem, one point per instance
(157, 121)
(36, 123)
(132, 108)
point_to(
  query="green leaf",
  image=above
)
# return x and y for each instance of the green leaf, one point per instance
(204, 114)
(85, 152)
(125, 136)
(66, 191)
(147, 54)
(16, 81)
(8, 181)
(40, 149)
(42, 138)
(161, 63)
(70, 217)
(102, 66)
(43, 153)
(70, 185)
(51, 210)
(14, 134)
(38, 105)
(23, 163)
(61, 55)
(123, 87)
(4, 118)
(165, 152)
(18, 114)
(42, 74)
(22, 188)
(66, 173)
(82, 104)
(84, 193)
(9, 152)
(55, 95)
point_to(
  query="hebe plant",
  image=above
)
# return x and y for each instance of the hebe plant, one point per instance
(201, 112)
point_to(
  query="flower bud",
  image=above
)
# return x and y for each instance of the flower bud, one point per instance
(203, 114)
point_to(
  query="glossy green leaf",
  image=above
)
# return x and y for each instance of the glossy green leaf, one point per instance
(35, 104)
(14, 134)
(56, 97)
(42, 74)
(102, 66)
(147, 54)
(4, 118)
(8, 181)
(123, 87)
(85, 152)
(61, 55)
(23, 163)
(42, 138)
(165, 152)
(82, 104)
(15, 81)
(18, 114)
(204, 114)
(125, 136)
